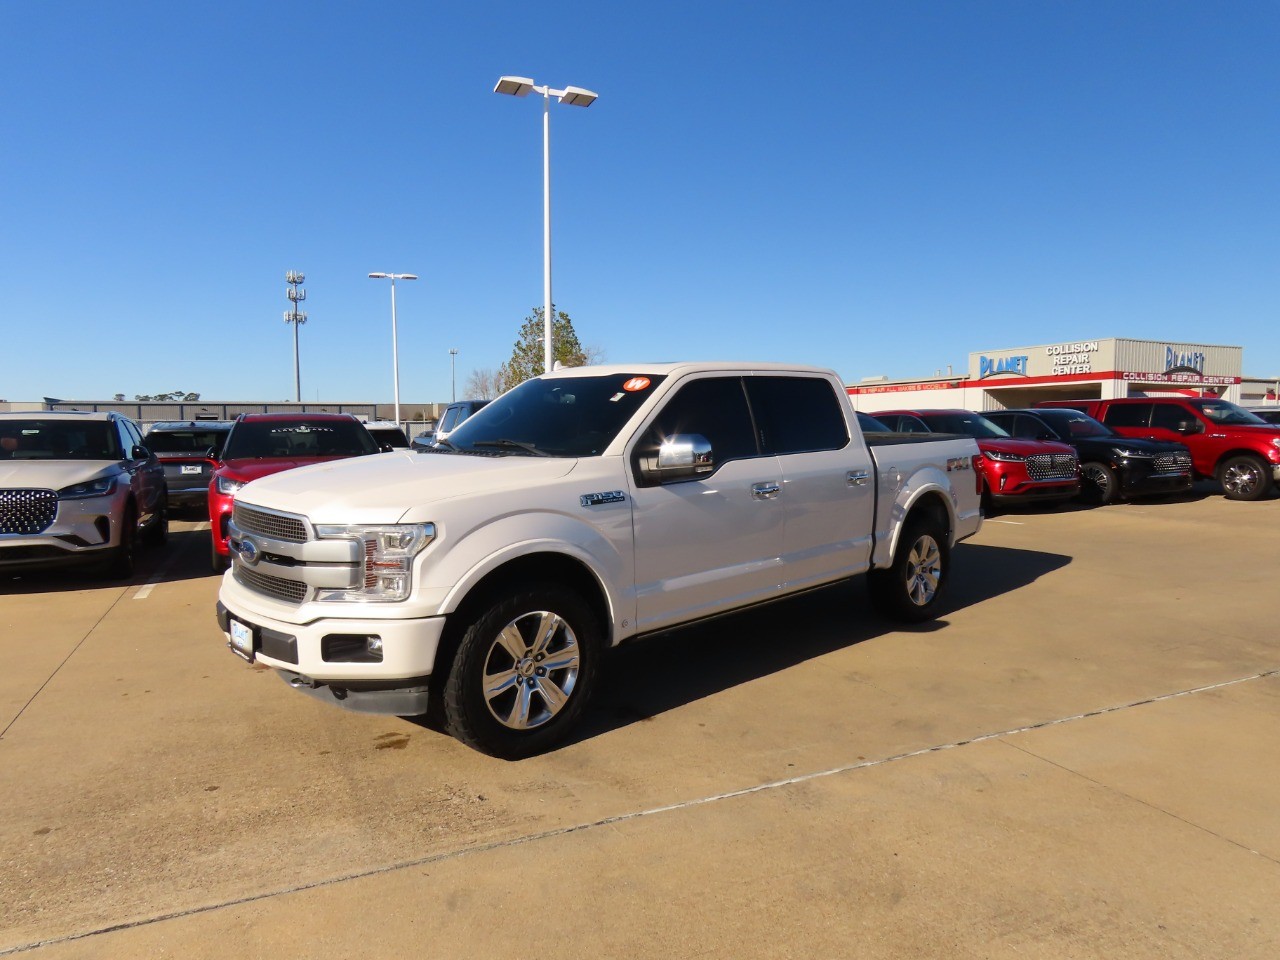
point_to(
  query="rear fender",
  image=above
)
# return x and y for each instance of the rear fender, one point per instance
(930, 485)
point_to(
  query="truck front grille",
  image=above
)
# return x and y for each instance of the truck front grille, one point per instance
(1052, 466)
(27, 511)
(1173, 463)
(290, 591)
(279, 526)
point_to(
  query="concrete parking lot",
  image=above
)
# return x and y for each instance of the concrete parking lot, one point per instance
(1078, 760)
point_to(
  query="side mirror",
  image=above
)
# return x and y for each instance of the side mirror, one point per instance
(140, 452)
(385, 447)
(1047, 436)
(1186, 427)
(684, 456)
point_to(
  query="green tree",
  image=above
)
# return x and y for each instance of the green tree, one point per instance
(528, 354)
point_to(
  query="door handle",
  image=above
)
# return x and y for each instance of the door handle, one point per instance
(857, 478)
(765, 491)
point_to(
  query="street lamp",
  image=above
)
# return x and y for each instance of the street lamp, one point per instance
(453, 374)
(574, 97)
(395, 345)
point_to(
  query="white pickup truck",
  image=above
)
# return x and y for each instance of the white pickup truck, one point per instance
(485, 578)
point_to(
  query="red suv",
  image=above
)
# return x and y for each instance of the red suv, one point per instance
(261, 444)
(1014, 470)
(1227, 443)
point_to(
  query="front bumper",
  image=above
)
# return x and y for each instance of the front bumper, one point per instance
(82, 531)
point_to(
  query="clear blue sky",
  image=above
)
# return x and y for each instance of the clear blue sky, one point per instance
(876, 187)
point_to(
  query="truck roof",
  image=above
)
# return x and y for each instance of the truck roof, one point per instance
(691, 366)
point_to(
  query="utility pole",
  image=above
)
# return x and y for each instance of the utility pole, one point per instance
(294, 278)
(453, 374)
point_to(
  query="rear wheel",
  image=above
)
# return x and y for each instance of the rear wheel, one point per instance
(1098, 483)
(1244, 478)
(910, 587)
(523, 672)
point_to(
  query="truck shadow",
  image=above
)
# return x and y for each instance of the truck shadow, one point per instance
(663, 672)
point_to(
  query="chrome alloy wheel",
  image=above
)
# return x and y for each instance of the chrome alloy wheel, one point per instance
(531, 670)
(924, 570)
(1100, 478)
(1242, 478)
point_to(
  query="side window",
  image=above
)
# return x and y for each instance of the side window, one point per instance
(1005, 421)
(796, 414)
(909, 424)
(449, 419)
(135, 435)
(1167, 416)
(1028, 428)
(1128, 415)
(717, 409)
(126, 441)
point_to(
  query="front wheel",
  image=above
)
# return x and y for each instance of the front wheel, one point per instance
(157, 534)
(1244, 478)
(120, 566)
(523, 672)
(910, 587)
(1098, 483)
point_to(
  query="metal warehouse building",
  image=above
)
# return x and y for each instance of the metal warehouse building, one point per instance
(1073, 370)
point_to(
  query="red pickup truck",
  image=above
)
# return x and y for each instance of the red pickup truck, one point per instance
(261, 444)
(1227, 443)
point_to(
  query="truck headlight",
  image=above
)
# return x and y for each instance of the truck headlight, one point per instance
(228, 487)
(386, 565)
(1003, 457)
(102, 487)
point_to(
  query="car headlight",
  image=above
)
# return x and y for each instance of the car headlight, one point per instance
(1130, 454)
(228, 487)
(387, 554)
(1275, 442)
(1003, 457)
(102, 487)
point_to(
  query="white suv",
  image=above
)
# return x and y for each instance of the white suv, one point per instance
(77, 487)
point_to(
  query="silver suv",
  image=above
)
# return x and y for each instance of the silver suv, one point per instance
(77, 487)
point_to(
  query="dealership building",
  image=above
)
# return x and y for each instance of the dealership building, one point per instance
(1015, 377)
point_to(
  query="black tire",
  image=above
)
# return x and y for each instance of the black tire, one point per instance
(157, 533)
(120, 565)
(1098, 483)
(909, 588)
(217, 561)
(1244, 477)
(526, 707)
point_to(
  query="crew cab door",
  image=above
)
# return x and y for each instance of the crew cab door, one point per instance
(711, 543)
(828, 493)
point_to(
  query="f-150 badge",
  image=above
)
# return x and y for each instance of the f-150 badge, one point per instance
(596, 499)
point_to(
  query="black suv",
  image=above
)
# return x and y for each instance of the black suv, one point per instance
(189, 451)
(1111, 466)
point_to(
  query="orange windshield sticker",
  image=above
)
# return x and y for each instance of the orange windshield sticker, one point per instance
(636, 383)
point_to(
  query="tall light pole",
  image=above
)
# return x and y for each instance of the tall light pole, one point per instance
(296, 296)
(574, 97)
(453, 374)
(395, 346)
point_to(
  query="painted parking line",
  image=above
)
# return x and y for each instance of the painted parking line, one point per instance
(1015, 523)
(144, 591)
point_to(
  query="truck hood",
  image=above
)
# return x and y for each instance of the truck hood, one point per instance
(51, 474)
(246, 470)
(383, 488)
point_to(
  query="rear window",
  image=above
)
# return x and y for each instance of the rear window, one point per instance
(186, 441)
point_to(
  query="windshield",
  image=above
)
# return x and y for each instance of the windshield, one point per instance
(556, 417)
(59, 440)
(969, 424)
(185, 441)
(1070, 424)
(1220, 411)
(258, 439)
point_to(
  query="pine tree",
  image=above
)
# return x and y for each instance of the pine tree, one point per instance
(528, 353)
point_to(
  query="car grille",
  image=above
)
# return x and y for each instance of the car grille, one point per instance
(275, 525)
(1052, 466)
(27, 511)
(291, 591)
(1173, 463)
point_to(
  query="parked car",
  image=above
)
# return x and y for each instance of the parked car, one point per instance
(1016, 471)
(1227, 442)
(188, 450)
(454, 415)
(389, 435)
(261, 444)
(870, 424)
(76, 488)
(1112, 467)
(1270, 414)
(583, 509)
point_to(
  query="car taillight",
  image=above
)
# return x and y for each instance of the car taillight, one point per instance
(977, 474)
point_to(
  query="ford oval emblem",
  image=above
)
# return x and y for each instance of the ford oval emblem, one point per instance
(248, 551)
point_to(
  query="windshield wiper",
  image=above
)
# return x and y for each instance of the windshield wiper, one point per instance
(512, 444)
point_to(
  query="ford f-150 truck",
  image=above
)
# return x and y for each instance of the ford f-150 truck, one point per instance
(481, 580)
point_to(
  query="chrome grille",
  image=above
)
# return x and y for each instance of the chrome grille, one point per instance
(291, 591)
(275, 525)
(27, 511)
(1173, 463)
(1052, 466)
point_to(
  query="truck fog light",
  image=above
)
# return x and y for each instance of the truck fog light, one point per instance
(374, 645)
